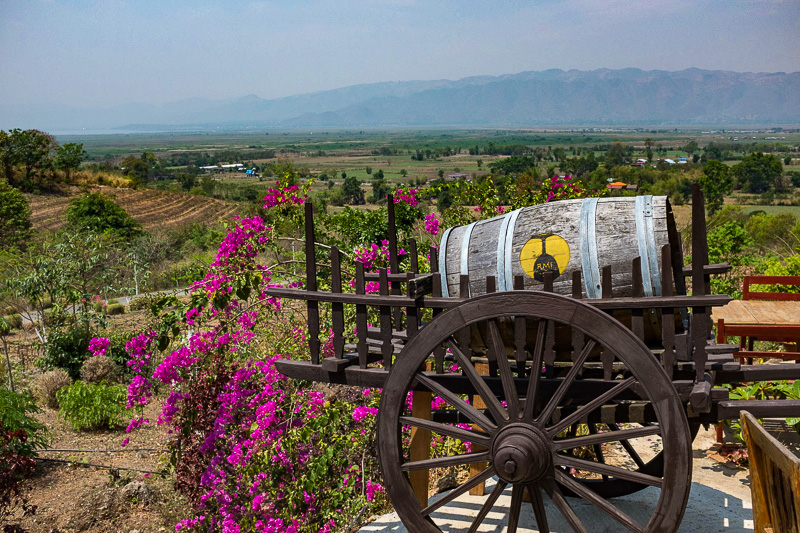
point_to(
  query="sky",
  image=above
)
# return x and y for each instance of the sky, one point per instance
(112, 52)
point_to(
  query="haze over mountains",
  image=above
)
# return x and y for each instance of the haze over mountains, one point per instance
(547, 98)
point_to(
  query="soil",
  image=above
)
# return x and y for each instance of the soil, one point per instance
(150, 208)
(72, 496)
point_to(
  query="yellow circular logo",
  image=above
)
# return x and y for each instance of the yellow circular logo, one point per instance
(545, 252)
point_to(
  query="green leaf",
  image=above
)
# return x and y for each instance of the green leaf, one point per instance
(221, 300)
(243, 293)
(163, 342)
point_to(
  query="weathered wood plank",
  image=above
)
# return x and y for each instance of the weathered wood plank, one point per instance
(312, 306)
(774, 479)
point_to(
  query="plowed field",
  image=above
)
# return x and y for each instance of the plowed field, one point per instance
(150, 208)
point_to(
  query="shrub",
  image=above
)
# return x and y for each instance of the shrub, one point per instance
(48, 384)
(143, 302)
(67, 349)
(92, 406)
(16, 410)
(98, 368)
(115, 309)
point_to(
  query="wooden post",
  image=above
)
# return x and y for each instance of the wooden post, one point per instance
(394, 262)
(420, 446)
(361, 317)
(311, 286)
(668, 313)
(337, 308)
(387, 348)
(477, 468)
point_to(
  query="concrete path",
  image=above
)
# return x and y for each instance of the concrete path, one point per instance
(719, 502)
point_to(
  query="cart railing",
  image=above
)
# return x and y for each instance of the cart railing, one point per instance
(402, 299)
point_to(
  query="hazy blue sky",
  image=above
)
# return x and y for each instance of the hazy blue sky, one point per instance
(108, 52)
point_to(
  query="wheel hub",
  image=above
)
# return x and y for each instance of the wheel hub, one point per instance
(520, 454)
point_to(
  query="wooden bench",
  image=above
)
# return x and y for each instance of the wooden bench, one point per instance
(771, 296)
(765, 316)
(774, 480)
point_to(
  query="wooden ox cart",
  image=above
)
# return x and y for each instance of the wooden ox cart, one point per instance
(591, 394)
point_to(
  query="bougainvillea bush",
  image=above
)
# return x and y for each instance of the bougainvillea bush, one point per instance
(252, 449)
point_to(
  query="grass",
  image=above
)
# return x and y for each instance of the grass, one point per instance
(773, 209)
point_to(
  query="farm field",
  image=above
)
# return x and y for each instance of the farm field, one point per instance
(150, 208)
(773, 209)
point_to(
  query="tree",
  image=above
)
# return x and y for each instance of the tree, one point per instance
(353, 193)
(31, 149)
(579, 166)
(758, 172)
(135, 169)
(716, 183)
(97, 213)
(712, 151)
(616, 155)
(15, 216)
(151, 162)
(68, 157)
(480, 163)
(186, 180)
(403, 172)
(6, 156)
(691, 147)
(379, 190)
(66, 273)
(441, 173)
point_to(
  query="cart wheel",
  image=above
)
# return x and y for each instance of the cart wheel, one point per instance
(647, 456)
(523, 434)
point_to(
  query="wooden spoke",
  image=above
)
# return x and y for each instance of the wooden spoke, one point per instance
(464, 435)
(600, 438)
(536, 371)
(458, 491)
(598, 449)
(441, 462)
(628, 447)
(453, 399)
(591, 406)
(601, 503)
(516, 506)
(614, 471)
(562, 389)
(566, 510)
(506, 376)
(487, 505)
(486, 394)
(538, 508)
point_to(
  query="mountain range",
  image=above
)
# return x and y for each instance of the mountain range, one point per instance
(542, 98)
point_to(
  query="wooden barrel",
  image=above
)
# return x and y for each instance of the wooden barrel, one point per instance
(561, 237)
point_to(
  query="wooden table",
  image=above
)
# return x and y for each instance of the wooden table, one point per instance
(759, 320)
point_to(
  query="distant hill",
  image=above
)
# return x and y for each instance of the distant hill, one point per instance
(551, 97)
